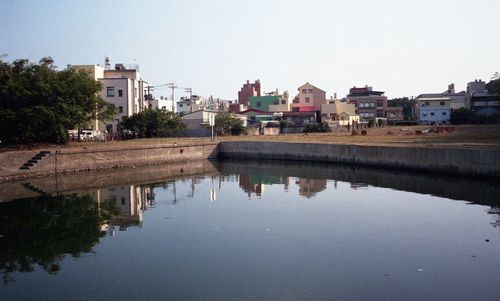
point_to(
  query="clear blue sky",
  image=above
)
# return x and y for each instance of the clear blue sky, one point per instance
(402, 47)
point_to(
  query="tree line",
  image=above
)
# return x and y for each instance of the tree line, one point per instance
(39, 104)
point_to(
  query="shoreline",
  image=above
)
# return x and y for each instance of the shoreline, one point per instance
(468, 161)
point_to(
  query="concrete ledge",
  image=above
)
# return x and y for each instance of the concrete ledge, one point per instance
(461, 161)
(80, 160)
(438, 160)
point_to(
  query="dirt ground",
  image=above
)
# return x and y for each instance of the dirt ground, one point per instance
(477, 136)
(464, 136)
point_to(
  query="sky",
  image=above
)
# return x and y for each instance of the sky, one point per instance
(402, 47)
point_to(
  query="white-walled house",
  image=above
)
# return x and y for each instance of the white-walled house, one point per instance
(336, 112)
(434, 110)
(198, 123)
(122, 86)
(161, 103)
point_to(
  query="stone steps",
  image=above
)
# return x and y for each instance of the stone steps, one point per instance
(35, 160)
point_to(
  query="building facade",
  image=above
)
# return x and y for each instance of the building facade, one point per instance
(123, 87)
(369, 104)
(310, 98)
(481, 101)
(263, 102)
(248, 90)
(434, 110)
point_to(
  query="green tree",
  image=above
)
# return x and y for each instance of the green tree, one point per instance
(462, 116)
(227, 123)
(493, 86)
(317, 127)
(40, 104)
(154, 123)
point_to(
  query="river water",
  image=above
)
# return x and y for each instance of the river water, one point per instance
(250, 231)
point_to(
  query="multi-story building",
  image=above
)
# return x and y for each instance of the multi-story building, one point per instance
(310, 98)
(332, 112)
(284, 103)
(369, 104)
(457, 99)
(481, 101)
(248, 90)
(122, 86)
(434, 110)
(263, 102)
(162, 103)
(394, 114)
(190, 104)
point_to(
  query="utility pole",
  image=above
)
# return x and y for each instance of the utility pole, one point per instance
(172, 86)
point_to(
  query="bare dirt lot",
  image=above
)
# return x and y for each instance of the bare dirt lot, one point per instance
(477, 136)
(464, 136)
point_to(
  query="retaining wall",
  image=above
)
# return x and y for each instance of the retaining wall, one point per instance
(480, 162)
(68, 160)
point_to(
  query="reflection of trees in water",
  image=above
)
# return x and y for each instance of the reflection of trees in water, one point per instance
(40, 231)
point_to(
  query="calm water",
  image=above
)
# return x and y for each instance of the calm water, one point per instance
(251, 231)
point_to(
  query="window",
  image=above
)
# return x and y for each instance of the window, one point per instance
(372, 114)
(310, 91)
(110, 91)
(295, 100)
(304, 90)
(120, 109)
(444, 113)
(259, 103)
(283, 102)
(180, 105)
(372, 104)
(424, 114)
(276, 102)
(426, 103)
(135, 92)
(441, 103)
(380, 104)
(432, 113)
(308, 99)
(120, 93)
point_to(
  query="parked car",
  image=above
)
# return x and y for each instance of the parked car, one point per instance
(86, 135)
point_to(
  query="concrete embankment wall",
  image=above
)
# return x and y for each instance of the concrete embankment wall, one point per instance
(76, 182)
(479, 162)
(67, 160)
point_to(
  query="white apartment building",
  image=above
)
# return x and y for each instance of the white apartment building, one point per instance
(122, 86)
(161, 103)
(434, 110)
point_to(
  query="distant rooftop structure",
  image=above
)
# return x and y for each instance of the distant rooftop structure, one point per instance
(127, 67)
(364, 91)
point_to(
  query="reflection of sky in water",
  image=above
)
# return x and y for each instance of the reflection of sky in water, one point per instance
(285, 238)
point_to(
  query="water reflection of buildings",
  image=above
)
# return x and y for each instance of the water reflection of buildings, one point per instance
(125, 205)
(309, 187)
(257, 184)
(356, 186)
